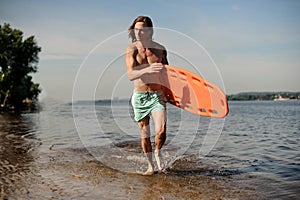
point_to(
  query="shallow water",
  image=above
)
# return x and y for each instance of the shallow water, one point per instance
(93, 152)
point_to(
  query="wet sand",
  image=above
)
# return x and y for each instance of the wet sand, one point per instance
(55, 174)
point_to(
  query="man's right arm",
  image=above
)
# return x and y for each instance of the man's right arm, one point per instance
(133, 71)
(131, 63)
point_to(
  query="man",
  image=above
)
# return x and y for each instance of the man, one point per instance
(144, 61)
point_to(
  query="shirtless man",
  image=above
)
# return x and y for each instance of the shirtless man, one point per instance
(144, 61)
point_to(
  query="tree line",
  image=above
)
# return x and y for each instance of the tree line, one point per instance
(18, 60)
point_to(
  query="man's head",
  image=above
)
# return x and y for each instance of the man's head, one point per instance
(141, 29)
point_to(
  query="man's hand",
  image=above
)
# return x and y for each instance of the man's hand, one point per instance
(154, 68)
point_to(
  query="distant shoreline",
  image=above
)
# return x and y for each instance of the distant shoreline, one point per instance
(243, 96)
(264, 96)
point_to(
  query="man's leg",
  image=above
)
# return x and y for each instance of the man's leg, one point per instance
(159, 119)
(146, 144)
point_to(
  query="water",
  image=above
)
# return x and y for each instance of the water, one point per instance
(93, 152)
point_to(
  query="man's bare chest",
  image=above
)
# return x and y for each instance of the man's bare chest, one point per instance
(146, 55)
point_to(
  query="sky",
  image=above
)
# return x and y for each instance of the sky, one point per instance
(239, 45)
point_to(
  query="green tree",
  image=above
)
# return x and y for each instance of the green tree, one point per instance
(18, 59)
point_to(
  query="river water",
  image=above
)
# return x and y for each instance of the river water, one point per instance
(92, 151)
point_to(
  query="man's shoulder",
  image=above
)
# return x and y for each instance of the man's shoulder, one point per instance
(131, 47)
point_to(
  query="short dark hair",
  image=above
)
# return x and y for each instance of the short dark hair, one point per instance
(146, 20)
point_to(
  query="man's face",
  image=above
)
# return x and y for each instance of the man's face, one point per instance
(142, 32)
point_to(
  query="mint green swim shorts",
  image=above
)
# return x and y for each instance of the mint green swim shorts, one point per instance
(145, 103)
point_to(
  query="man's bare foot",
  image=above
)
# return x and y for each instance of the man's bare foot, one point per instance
(149, 172)
(159, 160)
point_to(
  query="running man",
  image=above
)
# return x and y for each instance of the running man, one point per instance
(144, 61)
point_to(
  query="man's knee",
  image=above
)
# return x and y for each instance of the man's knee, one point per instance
(144, 128)
(143, 123)
(161, 132)
(160, 127)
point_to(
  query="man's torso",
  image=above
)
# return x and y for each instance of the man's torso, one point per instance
(144, 57)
